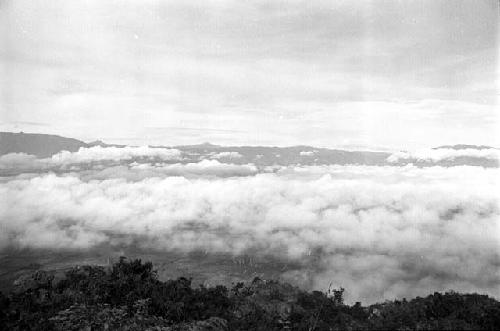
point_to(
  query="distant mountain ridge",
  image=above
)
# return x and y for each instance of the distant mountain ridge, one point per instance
(102, 144)
(463, 146)
(304, 155)
(44, 145)
(41, 145)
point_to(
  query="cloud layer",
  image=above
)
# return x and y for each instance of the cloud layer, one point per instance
(96, 154)
(227, 155)
(381, 232)
(444, 154)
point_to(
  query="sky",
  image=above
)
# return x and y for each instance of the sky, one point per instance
(386, 74)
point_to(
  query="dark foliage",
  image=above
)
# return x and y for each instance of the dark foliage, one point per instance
(129, 296)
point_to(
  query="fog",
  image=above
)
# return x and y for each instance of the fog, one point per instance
(380, 232)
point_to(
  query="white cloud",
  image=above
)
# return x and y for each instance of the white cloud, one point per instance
(200, 169)
(381, 232)
(444, 154)
(98, 153)
(306, 153)
(227, 155)
(19, 162)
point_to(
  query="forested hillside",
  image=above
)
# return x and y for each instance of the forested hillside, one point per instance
(129, 296)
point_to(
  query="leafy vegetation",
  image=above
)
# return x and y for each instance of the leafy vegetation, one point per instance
(129, 296)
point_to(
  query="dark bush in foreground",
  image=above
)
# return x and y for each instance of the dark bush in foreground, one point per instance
(129, 296)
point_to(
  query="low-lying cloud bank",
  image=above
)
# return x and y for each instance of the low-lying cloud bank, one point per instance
(227, 155)
(381, 232)
(444, 154)
(98, 153)
(204, 168)
(22, 161)
(98, 157)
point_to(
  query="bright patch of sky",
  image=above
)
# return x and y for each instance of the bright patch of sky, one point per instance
(395, 74)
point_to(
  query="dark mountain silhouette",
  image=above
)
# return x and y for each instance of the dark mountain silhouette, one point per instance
(97, 143)
(103, 144)
(463, 146)
(41, 145)
(305, 155)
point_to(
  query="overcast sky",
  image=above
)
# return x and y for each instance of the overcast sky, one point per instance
(397, 74)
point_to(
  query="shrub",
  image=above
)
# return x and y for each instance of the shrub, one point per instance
(129, 296)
